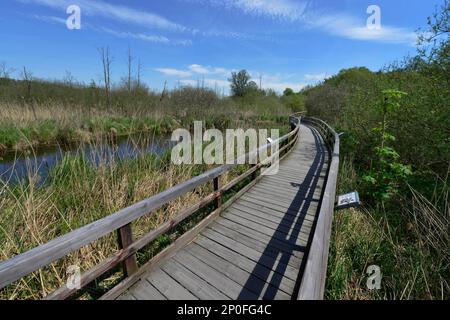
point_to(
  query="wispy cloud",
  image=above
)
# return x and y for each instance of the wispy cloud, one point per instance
(119, 34)
(349, 27)
(145, 37)
(277, 9)
(199, 69)
(303, 12)
(50, 19)
(194, 69)
(117, 12)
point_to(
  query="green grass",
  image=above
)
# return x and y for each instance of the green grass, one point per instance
(390, 238)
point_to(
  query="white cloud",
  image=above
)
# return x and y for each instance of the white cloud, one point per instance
(332, 23)
(174, 72)
(116, 12)
(140, 36)
(196, 68)
(278, 9)
(348, 27)
(146, 37)
(199, 69)
(50, 19)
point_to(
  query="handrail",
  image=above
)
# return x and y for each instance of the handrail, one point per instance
(23, 264)
(312, 285)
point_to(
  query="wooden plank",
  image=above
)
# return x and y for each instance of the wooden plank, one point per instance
(285, 194)
(285, 197)
(252, 267)
(263, 229)
(126, 296)
(295, 208)
(269, 208)
(199, 287)
(227, 286)
(283, 245)
(250, 253)
(285, 221)
(256, 286)
(251, 208)
(259, 246)
(292, 184)
(298, 201)
(143, 290)
(260, 204)
(168, 286)
(302, 230)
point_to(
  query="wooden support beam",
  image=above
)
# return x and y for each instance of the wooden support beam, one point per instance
(218, 200)
(125, 238)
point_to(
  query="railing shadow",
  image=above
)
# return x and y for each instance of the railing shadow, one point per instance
(301, 203)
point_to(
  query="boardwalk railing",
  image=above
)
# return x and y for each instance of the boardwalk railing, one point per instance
(313, 280)
(43, 255)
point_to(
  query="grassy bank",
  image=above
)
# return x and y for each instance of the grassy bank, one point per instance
(55, 113)
(408, 243)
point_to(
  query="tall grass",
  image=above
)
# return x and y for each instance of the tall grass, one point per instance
(410, 247)
(79, 191)
(50, 122)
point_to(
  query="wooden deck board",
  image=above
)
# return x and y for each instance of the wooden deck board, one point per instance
(255, 248)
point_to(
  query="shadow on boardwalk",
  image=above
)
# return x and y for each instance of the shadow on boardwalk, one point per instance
(300, 204)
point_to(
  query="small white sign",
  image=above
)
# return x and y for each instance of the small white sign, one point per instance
(348, 200)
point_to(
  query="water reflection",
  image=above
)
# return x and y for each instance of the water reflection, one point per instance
(15, 166)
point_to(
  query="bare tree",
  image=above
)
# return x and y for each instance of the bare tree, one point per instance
(27, 77)
(5, 72)
(130, 61)
(106, 62)
(163, 93)
(139, 73)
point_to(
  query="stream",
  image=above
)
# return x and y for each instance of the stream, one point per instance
(16, 166)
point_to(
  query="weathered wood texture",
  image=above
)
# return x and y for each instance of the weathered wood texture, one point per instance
(255, 248)
(313, 281)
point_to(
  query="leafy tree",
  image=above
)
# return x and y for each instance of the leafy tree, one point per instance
(434, 43)
(288, 92)
(386, 173)
(241, 84)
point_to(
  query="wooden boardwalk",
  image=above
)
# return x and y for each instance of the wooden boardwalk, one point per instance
(256, 248)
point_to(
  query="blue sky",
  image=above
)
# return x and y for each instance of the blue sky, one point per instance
(288, 43)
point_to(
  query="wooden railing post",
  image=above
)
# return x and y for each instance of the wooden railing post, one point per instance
(218, 201)
(254, 173)
(125, 238)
